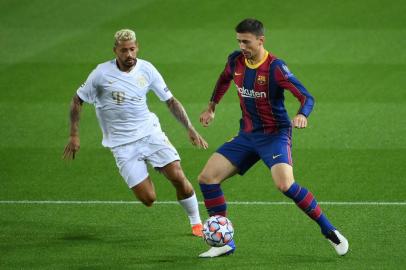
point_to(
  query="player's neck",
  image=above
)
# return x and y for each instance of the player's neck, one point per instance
(258, 58)
(125, 68)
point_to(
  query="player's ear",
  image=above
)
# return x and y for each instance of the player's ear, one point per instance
(261, 39)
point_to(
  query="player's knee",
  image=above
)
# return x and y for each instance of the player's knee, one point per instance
(149, 200)
(148, 203)
(284, 186)
(209, 177)
(204, 178)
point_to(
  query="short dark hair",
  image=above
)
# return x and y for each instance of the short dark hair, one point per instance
(250, 25)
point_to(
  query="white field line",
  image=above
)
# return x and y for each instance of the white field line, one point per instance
(376, 203)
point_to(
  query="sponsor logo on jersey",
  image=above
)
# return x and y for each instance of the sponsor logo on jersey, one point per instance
(261, 79)
(250, 93)
(118, 97)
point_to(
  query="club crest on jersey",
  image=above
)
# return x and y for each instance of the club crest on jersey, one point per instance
(141, 81)
(261, 79)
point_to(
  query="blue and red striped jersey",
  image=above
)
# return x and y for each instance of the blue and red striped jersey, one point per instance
(260, 89)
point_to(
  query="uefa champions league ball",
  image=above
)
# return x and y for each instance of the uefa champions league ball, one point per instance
(217, 231)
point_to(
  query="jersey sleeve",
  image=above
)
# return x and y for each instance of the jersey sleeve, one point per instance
(287, 80)
(87, 91)
(224, 80)
(159, 86)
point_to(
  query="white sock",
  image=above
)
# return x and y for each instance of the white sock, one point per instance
(192, 209)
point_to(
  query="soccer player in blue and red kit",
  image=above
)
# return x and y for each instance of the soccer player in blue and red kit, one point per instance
(265, 130)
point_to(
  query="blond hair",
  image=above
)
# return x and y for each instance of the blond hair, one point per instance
(124, 35)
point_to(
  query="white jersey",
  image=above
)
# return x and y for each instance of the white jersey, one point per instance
(120, 99)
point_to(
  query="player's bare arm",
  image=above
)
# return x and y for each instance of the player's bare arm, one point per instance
(74, 142)
(180, 114)
(299, 121)
(208, 115)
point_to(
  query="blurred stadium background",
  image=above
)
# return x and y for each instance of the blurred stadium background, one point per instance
(349, 54)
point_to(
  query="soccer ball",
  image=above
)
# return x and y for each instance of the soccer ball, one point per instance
(217, 231)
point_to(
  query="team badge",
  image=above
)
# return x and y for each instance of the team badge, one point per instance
(261, 79)
(141, 81)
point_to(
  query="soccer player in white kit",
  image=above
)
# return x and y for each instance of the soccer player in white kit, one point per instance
(118, 89)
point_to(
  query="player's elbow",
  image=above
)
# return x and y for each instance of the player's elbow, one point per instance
(311, 100)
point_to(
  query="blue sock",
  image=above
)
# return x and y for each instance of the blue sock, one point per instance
(214, 199)
(305, 200)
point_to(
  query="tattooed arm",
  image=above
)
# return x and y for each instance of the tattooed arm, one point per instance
(74, 142)
(180, 114)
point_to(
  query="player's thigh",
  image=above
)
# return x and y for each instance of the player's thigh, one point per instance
(235, 156)
(165, 159)
(275, 148)
(275, 152)
(217, 169)
(167, 162)
(131, 165)
(160, 153)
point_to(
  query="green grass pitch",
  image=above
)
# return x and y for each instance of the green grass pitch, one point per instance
(349, 54)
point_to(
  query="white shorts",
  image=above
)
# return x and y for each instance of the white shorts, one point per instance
(131, 158)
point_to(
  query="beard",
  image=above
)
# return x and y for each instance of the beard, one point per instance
(129, 62)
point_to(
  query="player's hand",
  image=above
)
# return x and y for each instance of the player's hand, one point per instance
(206, 117)
(299, 121)
(71, 148)
(197, 140)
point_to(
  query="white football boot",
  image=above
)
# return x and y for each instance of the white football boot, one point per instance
(219, 251)
(339, 242)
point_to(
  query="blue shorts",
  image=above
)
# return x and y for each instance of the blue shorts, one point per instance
(244, 150)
